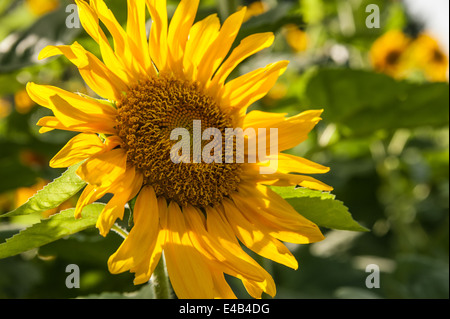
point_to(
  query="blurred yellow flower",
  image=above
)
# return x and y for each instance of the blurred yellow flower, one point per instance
(429, 57)
(6, 200)
(387, 54)
(399, 56)
(32, 159)
(297, 39)
(254, 9)
(22, 102)
(41, 7)
(5, 108)
(278, 92)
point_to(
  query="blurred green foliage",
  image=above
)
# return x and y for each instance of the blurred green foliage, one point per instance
(385, 140)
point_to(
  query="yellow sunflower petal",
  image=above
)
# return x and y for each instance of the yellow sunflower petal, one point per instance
(246, 89)
(291, 130)
(123, 190)
(89, 195)
(221, 46)
(188, 271)
(53, 123)
(232, 258)
(49, 123)
(90, 22)
(283, 179)
(72, 118)
(221, 287)
(255, 238)
(142, 236)
(37, 93)
(268, 210)
(122, 48)
(179, 28)
(107, 17)
(158, 34)
(197, 231)
(306, 235)
(255, 289)
(278, 210)
(145, 268)
(41, 94)
(288, 163)
(137, 34)
(248, 46)
(219, 226)
(201, 37)
(99, 78)
(104, 169)
(77, 149)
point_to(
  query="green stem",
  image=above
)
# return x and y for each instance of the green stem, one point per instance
(120, 231)
(131, 204)
(160, 281)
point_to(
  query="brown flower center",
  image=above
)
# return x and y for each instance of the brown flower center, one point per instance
(393, 57)
(148, 114)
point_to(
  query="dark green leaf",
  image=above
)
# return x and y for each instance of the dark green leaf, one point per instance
(363, 102)
(48, 230)
(320, 207)
(52, 195)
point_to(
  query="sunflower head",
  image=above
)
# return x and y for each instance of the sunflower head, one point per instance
(296, 38)
(145, 126)
(387, 53)
(196, 213)
(430, 58)
(254, 9)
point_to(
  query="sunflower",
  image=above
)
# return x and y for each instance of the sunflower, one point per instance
(429, 57)
(297, 39)
(196, 215)
(255, 9)
(41, 7)
(387, 53)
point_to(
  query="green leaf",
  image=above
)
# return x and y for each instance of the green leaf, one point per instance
(48, 230)
(363, 102)
(53, 194)
(319, 207)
